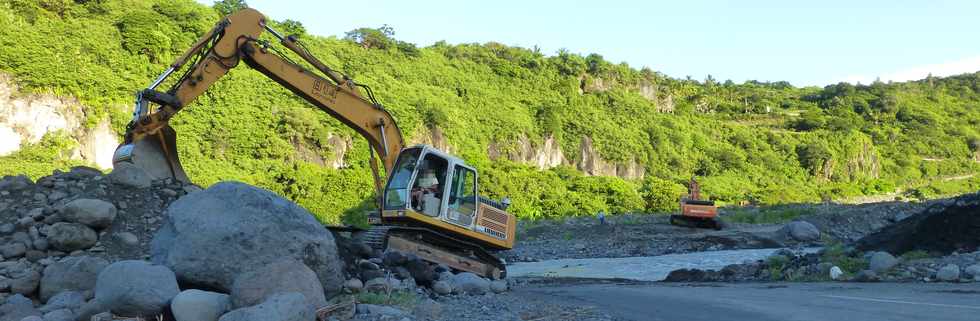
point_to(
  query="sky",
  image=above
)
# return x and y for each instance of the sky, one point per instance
(803, 42)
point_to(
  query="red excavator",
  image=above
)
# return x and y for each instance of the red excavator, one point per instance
(696, 212)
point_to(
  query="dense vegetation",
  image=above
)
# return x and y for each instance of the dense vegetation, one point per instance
(758, 142)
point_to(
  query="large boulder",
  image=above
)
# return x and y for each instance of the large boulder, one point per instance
(284, 276)
(71, 300)
(801, 231)
(130, 175)
(881, 262)
(71, 236)
(25, 281)
(948, 273)
(197, 305)
(211, 237)
(470, 283)
(59, 315)
(16, 308)
(290, 306)
(136, 288)
(92, 212)
(73, 273)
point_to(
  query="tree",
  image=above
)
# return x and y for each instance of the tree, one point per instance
(227, 7)
(372, 38)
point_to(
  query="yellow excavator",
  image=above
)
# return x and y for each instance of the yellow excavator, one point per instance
(429, 204)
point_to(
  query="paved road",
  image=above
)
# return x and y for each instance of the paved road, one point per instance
(775, 301)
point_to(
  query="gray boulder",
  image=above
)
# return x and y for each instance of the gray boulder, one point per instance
(948, 273)
(972, 271)
(16, 308)
(136, 288)
(442, 287)
(354, 285)
(881, 262)
(866, 276)
(284, 276)
(498, 286)
(290, 306)
(32, 318)
(130, 175)
(469, 283)
(91, 212)
(70, 237)
(801, 231)
(59, 315)
(13, 250)
(25, 281)
(73, 273)
(71, 300)
(197, 305)
(127, 238)
(211, 237)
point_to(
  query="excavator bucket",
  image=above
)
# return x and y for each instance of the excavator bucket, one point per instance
(154, 153)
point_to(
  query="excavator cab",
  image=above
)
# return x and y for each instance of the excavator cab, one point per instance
(429, 182)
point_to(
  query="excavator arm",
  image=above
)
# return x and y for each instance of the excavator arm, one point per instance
(150, 142)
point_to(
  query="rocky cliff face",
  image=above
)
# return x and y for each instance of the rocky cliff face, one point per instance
(25, 119)
(548, 154)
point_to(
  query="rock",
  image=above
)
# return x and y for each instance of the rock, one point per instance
(16, 308)
(25, 281)
(32, 318)
(7, 229)
(130, 175)
(371, 274)
(442, 287)
(92, 309)
(284, 276)
(835, 273)
(15, 183)
(71, 300)
(380, 310)
(104, 316)
(972, 271)
(469, 283)
(367, 265)
(881, 262)
(59, 315)
(948, 273)
(197, 305)
(192, 189)
(35, 255)
(91, 212)
(445, 276)
(421, 271)
(354, 285)
(866, 276)
(394, 258)
(71, 236)
(379, 285)
(205, 232)
(136, 288)
(127, 238)
(802, 231)
(402, 273)
(428, 310)
(13, 250)
(41, 244)
(290, 306)
(498, 286)
(74, 273)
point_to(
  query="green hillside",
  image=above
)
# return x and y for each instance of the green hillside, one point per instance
(756, 142)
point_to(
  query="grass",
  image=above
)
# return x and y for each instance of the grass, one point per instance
(836, 254)
(765, 216)
(915, 255)
(400, 298)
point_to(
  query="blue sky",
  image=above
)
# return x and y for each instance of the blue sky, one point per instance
(803, 42)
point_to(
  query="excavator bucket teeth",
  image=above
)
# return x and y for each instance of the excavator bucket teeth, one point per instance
(155, 153)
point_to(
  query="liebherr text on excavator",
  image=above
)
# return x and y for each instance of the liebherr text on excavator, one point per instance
(429, 203)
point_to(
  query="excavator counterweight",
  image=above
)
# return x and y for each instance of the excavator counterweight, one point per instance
(428, 205)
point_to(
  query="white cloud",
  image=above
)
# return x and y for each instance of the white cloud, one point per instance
(949, 68)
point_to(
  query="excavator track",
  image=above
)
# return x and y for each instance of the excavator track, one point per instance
(434, 247)
(686, 221)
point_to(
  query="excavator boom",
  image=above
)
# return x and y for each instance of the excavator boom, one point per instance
(150, 142)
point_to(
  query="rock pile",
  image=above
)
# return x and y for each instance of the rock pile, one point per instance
(949, 226)
(81, 245)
